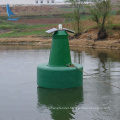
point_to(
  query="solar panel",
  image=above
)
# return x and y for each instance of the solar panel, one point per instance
(59, 28)
(68, 30)
(51, 30)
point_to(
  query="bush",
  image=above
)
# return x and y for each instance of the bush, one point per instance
(118, 12)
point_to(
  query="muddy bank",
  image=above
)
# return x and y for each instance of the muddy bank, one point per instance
(107, 44)
(28, 40)
(75, 44)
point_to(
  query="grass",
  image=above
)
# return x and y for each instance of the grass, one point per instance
(18, 30)
(116, 26)
(66, 9)
(23, 33)
(9, 25)
(3, 17)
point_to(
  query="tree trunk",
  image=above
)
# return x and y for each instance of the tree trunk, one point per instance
(78, 27)
(102, 34)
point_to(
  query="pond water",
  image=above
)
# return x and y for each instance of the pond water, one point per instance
(20, 99)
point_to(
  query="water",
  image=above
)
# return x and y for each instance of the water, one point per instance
(20, 99)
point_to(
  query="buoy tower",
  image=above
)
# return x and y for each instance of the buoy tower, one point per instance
(59, 71)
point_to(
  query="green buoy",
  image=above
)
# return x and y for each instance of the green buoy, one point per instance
(57, 73)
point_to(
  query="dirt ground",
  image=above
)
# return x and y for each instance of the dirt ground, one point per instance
(88, 39)
(22, 10)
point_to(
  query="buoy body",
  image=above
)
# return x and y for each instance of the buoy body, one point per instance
(57, 74)
(60, 51)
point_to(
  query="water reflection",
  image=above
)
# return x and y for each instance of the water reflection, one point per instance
(77, 57)
(103, 66)
(60, 102)
(103, 59)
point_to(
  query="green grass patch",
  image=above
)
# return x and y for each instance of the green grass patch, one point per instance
(10, 25)
(66, 9)
(23, 33)
(85, 17)
(18, 30)
(3, 17)
(68, 17)
(42, 16)
(116, 26)
(113, 12)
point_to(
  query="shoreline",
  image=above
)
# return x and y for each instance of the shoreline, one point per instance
(75, 43)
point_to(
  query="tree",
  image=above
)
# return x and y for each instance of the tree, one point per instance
(118, 7)
(100, 13)
(78, 6)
